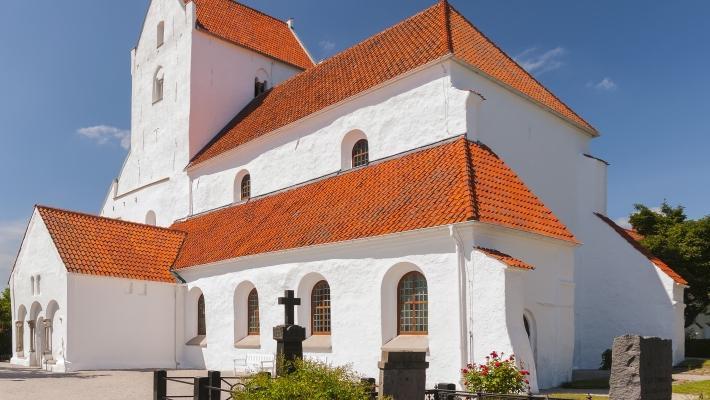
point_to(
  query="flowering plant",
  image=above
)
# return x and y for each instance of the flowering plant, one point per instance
(497, 375)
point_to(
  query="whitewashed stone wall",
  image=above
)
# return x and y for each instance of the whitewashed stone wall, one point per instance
(120, 323)
(39, 258)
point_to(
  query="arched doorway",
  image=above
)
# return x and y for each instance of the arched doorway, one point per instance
(34, 323)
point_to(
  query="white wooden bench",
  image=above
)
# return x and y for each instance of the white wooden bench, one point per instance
(253, 363)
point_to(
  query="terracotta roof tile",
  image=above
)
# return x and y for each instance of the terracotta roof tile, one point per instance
(414, 42)
(453, 182)
(633, 238)
(252, 29)
(505, 259)
(95, 245)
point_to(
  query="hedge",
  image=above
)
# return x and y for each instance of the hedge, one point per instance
(697, 348)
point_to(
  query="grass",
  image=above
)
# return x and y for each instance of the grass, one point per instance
(695, 366)
(575, 396)
(693, 387)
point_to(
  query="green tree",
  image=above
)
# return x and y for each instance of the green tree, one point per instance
(5, 324)
(682, 243)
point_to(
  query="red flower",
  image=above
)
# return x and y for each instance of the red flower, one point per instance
(497, 364)
(524, 372)
(494, 354)
(465, 371)
(526, 381)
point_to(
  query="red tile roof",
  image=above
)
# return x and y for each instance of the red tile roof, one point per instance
(427, 36)
(252, 29)
(633, 240)
(95, 245)
(505, 259)
(453, 182)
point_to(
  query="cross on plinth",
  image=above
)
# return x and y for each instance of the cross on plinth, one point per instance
(289, 336)
(290, 302)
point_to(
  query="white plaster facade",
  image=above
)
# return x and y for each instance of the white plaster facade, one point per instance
(576, 300)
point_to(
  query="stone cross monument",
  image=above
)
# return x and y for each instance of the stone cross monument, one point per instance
(289, 337)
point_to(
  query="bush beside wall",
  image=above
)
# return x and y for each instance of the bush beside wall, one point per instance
(697, 348)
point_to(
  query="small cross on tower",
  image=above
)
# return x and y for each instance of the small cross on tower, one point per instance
(290, 302)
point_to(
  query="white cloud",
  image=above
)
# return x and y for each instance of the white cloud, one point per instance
(326, 45)
(605, 84)
(10, 236)
(103, 134)
(537, 61)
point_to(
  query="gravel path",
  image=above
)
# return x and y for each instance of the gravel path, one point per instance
(24, 383)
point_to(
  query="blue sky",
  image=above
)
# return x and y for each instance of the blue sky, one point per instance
(637, 70)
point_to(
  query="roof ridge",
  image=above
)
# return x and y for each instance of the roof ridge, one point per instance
(505, 54)
(638, 246)
(115, 220)
(445, 11)
(470, 179)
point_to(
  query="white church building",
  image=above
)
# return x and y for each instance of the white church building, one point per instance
(419, 191)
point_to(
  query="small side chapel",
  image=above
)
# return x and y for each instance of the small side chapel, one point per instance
(419, 191)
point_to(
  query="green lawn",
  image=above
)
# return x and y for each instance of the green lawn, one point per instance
(571, 396)
(695, 366)
(688, 387)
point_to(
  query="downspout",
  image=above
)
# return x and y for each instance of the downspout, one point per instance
(463, 309)
(175, 323)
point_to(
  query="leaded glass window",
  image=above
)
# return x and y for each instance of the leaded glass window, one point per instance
(246, 187)
(201, 325)
(320, 309)
(360, 153)
(412, 299)
(253, 312)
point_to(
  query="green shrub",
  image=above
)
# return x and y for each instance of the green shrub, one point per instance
(312, 380)
(697, 348)
(496, 375)
(606, 360)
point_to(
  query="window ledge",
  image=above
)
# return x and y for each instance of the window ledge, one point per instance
(249, 342)
(418, 343)
(318, 343)
(199, 340)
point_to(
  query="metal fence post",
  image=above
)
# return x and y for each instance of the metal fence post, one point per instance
(201, 391)
(160, 385)
(215, 378)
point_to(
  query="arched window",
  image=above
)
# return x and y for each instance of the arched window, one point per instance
(32, 284)
(245, 187)
(320, 309)
(253, 313)
(151, 218)
(413, 306)
(259, 86)
(201, 325)
(158, 85)
(360, 157)
(160, 34)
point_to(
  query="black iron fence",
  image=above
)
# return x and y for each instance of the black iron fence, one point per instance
(210, 387)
